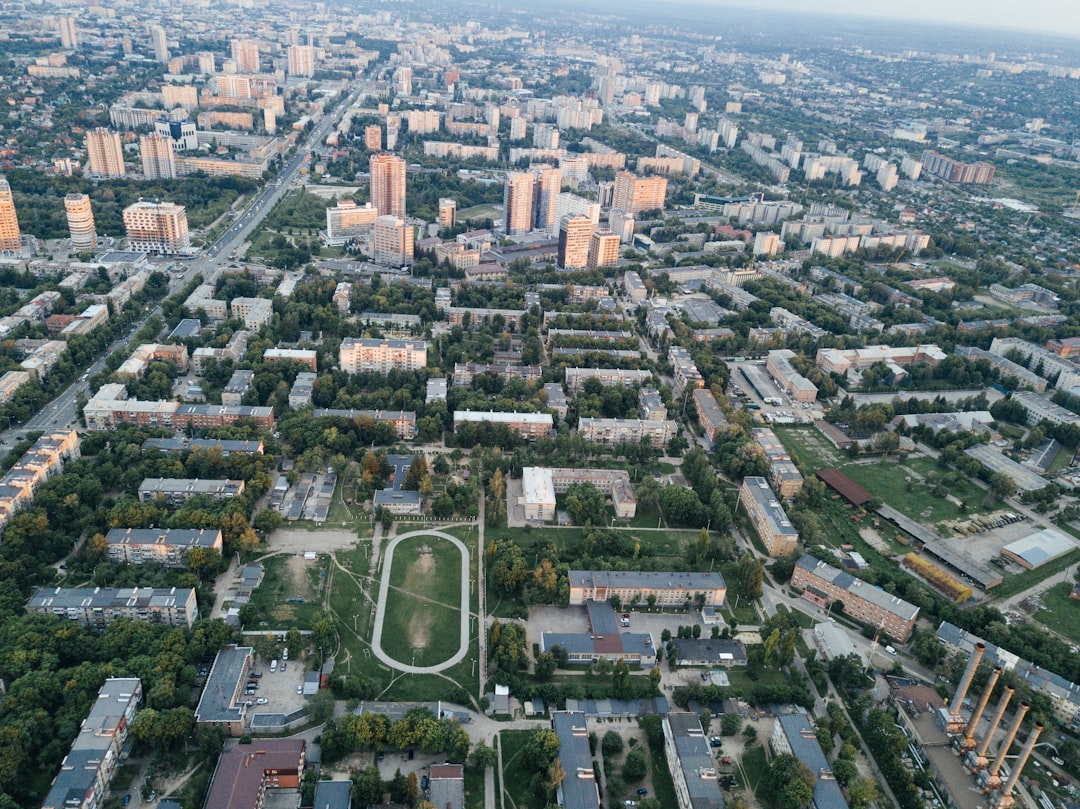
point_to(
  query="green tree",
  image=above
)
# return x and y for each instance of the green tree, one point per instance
(612, 744)
(636, 766)
(482, 756)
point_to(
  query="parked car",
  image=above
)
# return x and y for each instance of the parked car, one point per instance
(643, 791)
(285, 653)
(716, 741)
(273, 665)
(261, 701)
(725, 760)
(423, 782)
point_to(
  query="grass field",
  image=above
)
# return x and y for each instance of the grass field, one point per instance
(1060, 613)
(422, 624)
(271, 598)
(900, 485)
(663, 787)
(517, 779)
(479, 212)
(474, 788)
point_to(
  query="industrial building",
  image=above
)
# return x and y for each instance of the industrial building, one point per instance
(604, 640)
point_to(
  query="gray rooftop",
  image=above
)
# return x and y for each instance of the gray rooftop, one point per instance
(763, 495)
(695, 761)
(178, 537)
(645, 579)
(804, 744)
(333, 795)
(218, 702)
(578, 789)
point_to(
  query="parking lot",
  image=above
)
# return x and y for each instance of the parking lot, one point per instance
(278, 688)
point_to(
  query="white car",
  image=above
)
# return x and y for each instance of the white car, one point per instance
(299, 689)
(261, 701)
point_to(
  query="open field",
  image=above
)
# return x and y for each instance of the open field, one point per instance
(755, 766)
(422, 616)
(902, 485)
(1060, 613)
(285, 577)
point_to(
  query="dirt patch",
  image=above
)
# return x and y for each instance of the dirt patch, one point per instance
(875, 541)
(299, 583)
(419, 572)
(420, 630)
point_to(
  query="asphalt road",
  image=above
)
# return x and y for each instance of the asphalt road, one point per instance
(60, 412)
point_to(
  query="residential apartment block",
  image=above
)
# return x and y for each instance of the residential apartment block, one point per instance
(157, 227)
(255, 312)
(823, 583)
(710, 415)
(222, 703)
(687, 374)
(472, 319)
(636, 194)
(464, 372)
(371, 355)
(779, 366)
(403, 421)
(304, 356)
(954, 171)
(690, 762)
(784, 475)
(634, 587)
(89, 766)
(1064, 695)
(44, 459)
(610, 432)
(97, 607)
(165, 546)
(577, 377)
(794, 734)
(578, 789)
(110, 407)
(525, 425)
(179, 490)
(768, 516)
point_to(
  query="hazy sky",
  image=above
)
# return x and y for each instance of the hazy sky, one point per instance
(1054, 16)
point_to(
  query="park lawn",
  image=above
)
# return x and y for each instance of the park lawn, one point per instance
(271, 598)
(755, 767)
(809, 449)
(516, 777)
(1060, 613)
(423, 603)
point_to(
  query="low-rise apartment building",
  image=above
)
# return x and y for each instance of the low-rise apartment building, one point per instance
(403, 421)
(370, 355)
(165, 546)
(823, 583)
(578, 789)
(541, 484)
(45, 458)
(110, 407)
(304, 356)
(239, 384)
(180, 490)
(89, 766)
(690, 762)
(473, 319)
(525, 425)
(255, 312)
(175, 446)
(464, 372)
(778, 364)
(246, 772)
(138, 363)
(610, 432)
(222, 702)
(710, 415)
(623, 378)
(794, 735)
(686, 373)
(768, 517)
(784, 475)
(97, 607)
(302, 389)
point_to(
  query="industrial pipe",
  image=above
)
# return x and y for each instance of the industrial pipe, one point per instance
(1025, 754)
(1005, 697)
(973, 723)
(1005, 745)
(965, 681)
